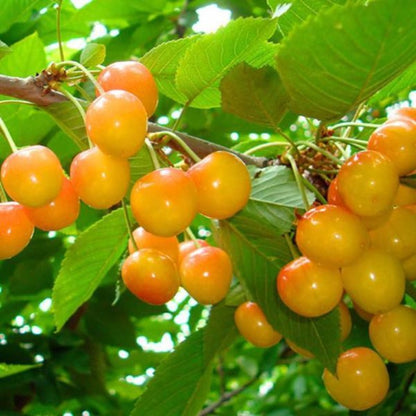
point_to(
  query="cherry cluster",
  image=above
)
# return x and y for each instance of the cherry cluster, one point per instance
(164, 202)
(363, 244)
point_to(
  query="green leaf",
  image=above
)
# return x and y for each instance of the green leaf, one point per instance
(13, 11)
(11, 369)
(86, 263)
(256, 95)
(28, 57)
(258, 251)
(208, 60)
(181, 382)
(92, 55)
(4, 49)
(299, 10)
(164, 61)
(336, 60)
(68, 118)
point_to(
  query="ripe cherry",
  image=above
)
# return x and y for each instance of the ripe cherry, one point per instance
(405, 195)
(396, 140)
(166, 245)
(254, 327)
(331, 235)
(59, 213)
(375, 281)
(151, 275)
(361, 381)
(134, 77)
(186, 247)
(409, 267)
(164, 202)
(223, 184)
(393, 334)
(403, 113)
(398, 234)
(206, 274)
(100, 180)
(309, 289)
(32, 176)
(367, 183)
(116, 122)
(16, 229)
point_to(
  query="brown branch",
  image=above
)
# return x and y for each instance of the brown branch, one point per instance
(35, 90)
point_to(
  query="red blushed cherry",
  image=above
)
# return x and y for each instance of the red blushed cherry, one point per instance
(59, 213)
(16, 229)
(116, 122)
(206, 274)
(151, 276)
(254, 327)
(134, 77)
(187, 247)
(32, 176)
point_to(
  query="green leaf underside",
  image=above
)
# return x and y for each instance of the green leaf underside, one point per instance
(256, 95)
(86, 263)
(163, 61)
(11, 369)
(92, 55)
(300, 10)
(208, 60)
(336, 60)
(254, 240)
(4, 49)
(182, 381)
(68, 118)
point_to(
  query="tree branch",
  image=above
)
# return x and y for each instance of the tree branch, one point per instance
(36, 90)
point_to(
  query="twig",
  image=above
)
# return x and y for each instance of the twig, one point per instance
(33, 89)
(397, 410)
(226, 397)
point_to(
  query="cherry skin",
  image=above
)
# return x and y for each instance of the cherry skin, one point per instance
(345, 320)
(186, 247)
(134, 77)
(151, 276)
(116, 122)
(362, 379)
(375, 281)
(16, 229)
(393, 334)
(409, 267)
(32, 176)
(367, 183)
(333, 197)
(330, 235)
(206, 274)
(166, 245)
(100, 180)
(309, 289)
(403, 113)
(398, 234)
(405, 195)
(59, 213)
(254, 327)
(164, 202)
(396, 140)
(223, 184)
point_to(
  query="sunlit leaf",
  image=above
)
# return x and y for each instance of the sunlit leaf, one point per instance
(92, 55)
(329, 66)
(86, 263)
(11, 369)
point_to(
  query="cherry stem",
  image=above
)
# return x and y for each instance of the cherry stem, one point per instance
(58, 29)
(128, 224)
(179, 119)
(265, 146)
(3, 195)
(293, 249)
(17, 102)
(348, 140)
(319, 149)
(313, 189)
(192, 237)
(152, 153)
(354, 124)
(8, 136)
(85, 71)
(172, 136)
(299, 180)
